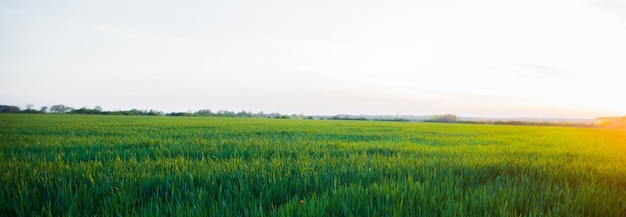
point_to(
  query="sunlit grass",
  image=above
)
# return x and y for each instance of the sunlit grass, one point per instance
(151, 166)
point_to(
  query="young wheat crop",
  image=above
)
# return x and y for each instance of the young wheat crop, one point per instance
(73, 165)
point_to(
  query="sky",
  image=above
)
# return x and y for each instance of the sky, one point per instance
(488, 58)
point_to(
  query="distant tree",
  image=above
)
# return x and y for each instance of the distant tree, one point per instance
(282, 117)
(44, 109)
(185, 114)
(204, 113)
(60, 109)
(296, 116)
(85, 110)
(243, 113)
(9, 109)
(82, 110)
(57, 109)
(135, 112)
(447, 118)
(153, 112)
(30, 110)
(224, 113)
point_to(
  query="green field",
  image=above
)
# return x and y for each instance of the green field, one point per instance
(75, 165)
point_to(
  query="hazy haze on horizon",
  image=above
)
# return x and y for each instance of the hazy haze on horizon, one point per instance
(548, 58)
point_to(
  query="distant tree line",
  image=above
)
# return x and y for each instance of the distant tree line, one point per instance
(450, 118)
(392, 119)
(62, 109)
(348, 118)
(241, 114)
(604, 122)
(612, 122)
(357, 118)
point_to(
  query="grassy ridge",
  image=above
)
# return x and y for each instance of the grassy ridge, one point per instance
(55, 165)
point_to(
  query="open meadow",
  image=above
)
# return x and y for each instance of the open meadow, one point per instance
(80, 165)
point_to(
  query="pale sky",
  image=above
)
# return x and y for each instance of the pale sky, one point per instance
(537, 58)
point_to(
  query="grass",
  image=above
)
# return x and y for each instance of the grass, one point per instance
(74, 165)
